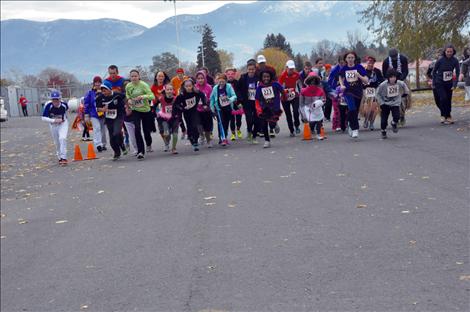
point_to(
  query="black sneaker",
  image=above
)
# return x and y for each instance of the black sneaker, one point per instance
(271, 133)
(140, 156)
(100, 149)
(384, 134)
(292, 134)
(116, 157)
(104, 148)
(394, 127)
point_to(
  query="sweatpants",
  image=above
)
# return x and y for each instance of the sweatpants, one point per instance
(353, 111)
(264, 127)
(115, 134)
(316, 125)
(192, 119)
(102, 131)
(335, 122)
(97, 136)
(141, 123)
(444, 92)
(385, 112)
(286, 105)
(226, 115)
(59, 136)
(251, 118)
(436, 100)
(25, 111)
(131, 131)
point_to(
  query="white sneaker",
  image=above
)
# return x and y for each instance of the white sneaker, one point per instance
(149, 149)
(338, 129)
(209, 145)
(267, 144)
(167, 148)
(277, 129)
(320, 138)
(355, 134)
(350, 131)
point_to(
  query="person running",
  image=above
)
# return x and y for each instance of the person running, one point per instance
(312, 98)
(352, 76)
(442, 80)
(222, 102)
(168, 122)
(400, 63)
(160, 80)
(177, 81)
(389, 95)
(81, 119)
(129, 125)
(93, 116)
(112, 104)
(303, 74)
(206, 125)
(328, 107)
(320, 65)
(338, 122)
(247, 90)
(23, 101)
(209, 78)
(237, 112)
(262, 66)
(55, 113)
(138, 94)
(268, 103)
(465, 72)
(185, 105)
(369, 106)
(290, 98)
(429, 76)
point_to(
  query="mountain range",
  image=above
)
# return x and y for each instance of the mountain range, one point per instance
(86, 47)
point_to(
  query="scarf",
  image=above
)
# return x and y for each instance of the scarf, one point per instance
(398, 63)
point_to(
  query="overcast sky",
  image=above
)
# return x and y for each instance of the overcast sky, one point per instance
(146, 13)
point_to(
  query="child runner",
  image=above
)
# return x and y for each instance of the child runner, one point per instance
(139, 95)
(442, 80)
(55, 113)
(312, 98)
(129, 125)
(168, 123)
(369, 102)
(206, 124)
(352, 76)
(177, 81)
(389, 95)
(290, 98)
(91, 114)
(222, 100)
(186, 104)
(268, 103)
(112, 104)
(247, 90)
(159, 81)
(237, 112)
(338, 111)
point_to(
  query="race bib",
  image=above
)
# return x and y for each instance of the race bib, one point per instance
(392, 91)
(351, 75)
(268, 93)
(138, 103)
(168, 109)
(251, 94)
(291, 95)
(447, 75)
(224, 101)
(111, 114)
(370, 92)
(190, 102)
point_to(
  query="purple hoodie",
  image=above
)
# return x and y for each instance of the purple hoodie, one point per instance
(206, 88)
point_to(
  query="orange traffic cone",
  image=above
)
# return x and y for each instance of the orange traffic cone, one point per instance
(307, 132)
(91, 152)
(322, 132)
(78, 154)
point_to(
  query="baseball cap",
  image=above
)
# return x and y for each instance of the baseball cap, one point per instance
(55, 95)
(97, 79)
(261, 58)
(180, 71)
(290, 64)
(107, 85)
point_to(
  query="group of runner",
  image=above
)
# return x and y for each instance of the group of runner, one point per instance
(128, 108)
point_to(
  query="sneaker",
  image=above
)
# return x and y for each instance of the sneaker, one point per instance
(402, 122)
(355, 134)
(84, 139)
(249, 137)
(125, 152)
(224, 143)
(297, 130)
(209, 145)
(292, 134)
(116, 157)
(183, 136)
(271, 134)
(338, 129)
(350, 131)
(135, 153)
(443, 120)
(173, 151)
(202, 141)
(103, 148)
(100, 149)
(254, 141)
(167, 148)
(239, 134)
(384, 134)
(149, 149)
(232, 137)
(371, 126)
(267, 144)
(394, 127)
(450, 120)
(366, 124)
(195, 147)
(140, 156)
(320, 138)
(62, 161)
(277, 129)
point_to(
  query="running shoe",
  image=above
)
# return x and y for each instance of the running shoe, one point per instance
(239, 134)
(140, 156)
(297, 130)
(292, 134)
(149, 149)
(384, 135)
(355, 134)
(232, 137)
(116, 157)
(277, 129)
(267, 144)
(394, 127)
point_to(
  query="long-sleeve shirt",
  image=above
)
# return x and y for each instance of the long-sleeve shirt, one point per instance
(465, 70)
(309, 103)
(334, 76)
(403, 71)
(222, 98)
(140, 89)
(114, 102)
(443, 71)
(51, 112)
(269, 95)
(391, 94)
(89, 101)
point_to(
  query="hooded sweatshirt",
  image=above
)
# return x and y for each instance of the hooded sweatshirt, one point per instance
(205, 88)
(390, 94)
(442, 73)
(289, 82)
(310, 108)
(89, 101)
(269, 96)
(221, 98)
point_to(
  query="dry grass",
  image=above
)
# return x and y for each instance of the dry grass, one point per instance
(424, 98)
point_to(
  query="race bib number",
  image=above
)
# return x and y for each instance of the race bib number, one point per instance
(290, 95)
(190, 103)
(224, 101)
(111, 114)
(138, 103)
(351, 75)
(251, 94)
(392, 91)
(168, 109)
(268, 93)
(447, 75)
(370, 92)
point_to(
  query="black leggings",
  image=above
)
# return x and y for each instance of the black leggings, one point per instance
(327, 108)
(264, 126)
(236, 120)
(142, 122)
(316, 124)
(444, 92)
(385, 112)
(85, 133)
(192, 120)
(115, 134)
(295, 111)
(343, 112)
(252, 121)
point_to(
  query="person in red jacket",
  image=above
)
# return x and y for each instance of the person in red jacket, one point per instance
(24, 104)
(290, 98)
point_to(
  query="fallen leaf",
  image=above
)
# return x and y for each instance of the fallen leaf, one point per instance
(465, 278)
(22, 221)
(267, 181)
(412, 242)
(425, 178)
(2, 237)
(401, 179)
(364, 186)
(83, 307)
(61, 221)
(405, 211)
(209, 204)
(100, 192)
(237, 182)
(210, 197)
(232, 205)
(361, 206)
(340, 175)
(459, 262)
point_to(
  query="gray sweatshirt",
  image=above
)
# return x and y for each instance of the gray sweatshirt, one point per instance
(388, 94)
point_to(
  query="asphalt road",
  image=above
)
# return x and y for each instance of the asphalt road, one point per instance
(338, 225)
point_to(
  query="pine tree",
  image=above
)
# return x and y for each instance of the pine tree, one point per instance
(211, 57)
(278, 41)
(299, 62)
